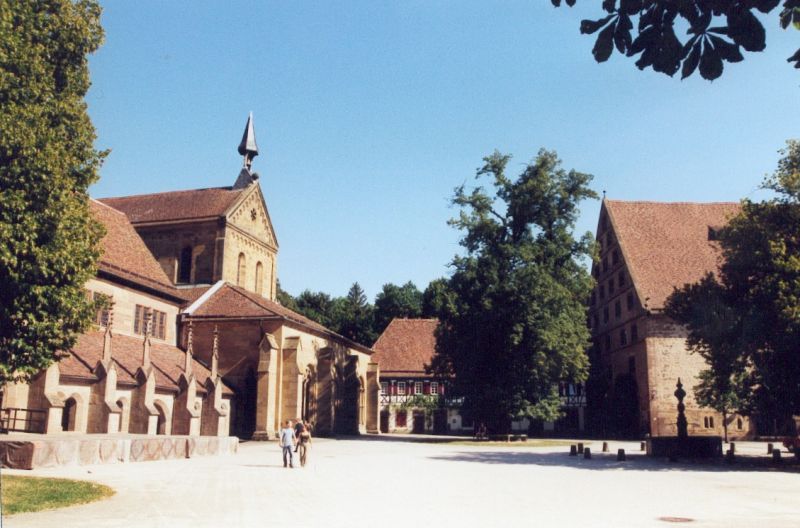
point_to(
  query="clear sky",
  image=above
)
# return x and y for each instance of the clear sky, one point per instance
(368, 114)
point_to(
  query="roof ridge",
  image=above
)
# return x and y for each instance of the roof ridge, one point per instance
(98, 202)
(654, 202)
(225, 188)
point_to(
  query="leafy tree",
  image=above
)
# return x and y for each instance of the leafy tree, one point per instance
(355, 316)
(396, 301)
(49, 242)
(435, 298)
(514, 324)
(717, 32)
(285, 298)
(318, 306)
(745, 321)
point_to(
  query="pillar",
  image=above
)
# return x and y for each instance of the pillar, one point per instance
(266, 390)
(373, 398)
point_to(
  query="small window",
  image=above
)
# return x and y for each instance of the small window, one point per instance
(630, 301)
(102, 315)
(739, 424)
(384, 388)
(434, 387)
(605, 314)
(615, 257)
(711, 422)
(611, 287)
(602, 292)
(140, 319)
(417, 387)
(159, 324)
(185, 266)
(621, 279)
(623, 337)
(634, 333)
(401, 388)
(617, 309)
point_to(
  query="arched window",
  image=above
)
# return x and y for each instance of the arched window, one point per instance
(68, 415)
(259, 278)
(240, 273)
(185, 266)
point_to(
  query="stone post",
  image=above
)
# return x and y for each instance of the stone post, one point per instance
(215, 411)
(266, 388)
(104, 413)
(144, 415)
(186, 411)
(373, 398)
(683, 425)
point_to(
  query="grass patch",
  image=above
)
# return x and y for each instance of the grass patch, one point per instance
(30, 494)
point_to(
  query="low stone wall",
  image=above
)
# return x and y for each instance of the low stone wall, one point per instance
(31, 452)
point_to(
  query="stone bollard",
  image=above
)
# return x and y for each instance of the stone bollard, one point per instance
(621, 455)
(587, 453)
(605, 447)
(580, 447)
(573, 450)
(776, 456)
(733, 448)
(769, 449)
(729, 456)
(642, 446)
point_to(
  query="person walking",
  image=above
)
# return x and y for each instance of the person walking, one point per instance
(303, 443)
(287, 440)
(298, 426)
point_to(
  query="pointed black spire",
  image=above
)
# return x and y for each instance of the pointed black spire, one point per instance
(248, 147)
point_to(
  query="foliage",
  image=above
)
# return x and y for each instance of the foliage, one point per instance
(318, 306)
(745, 321)
(435, 298)
(31, 494)
(396, 301)
(717, 32)
(285, 298)
(421, 401)
(355, 316)
(49, 243)
(514, 320)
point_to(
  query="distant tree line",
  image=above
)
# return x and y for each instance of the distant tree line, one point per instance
(354, 317)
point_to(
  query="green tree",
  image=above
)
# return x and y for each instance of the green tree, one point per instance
(318, 306)
(718, 31)
(285, 298)
(745, 320)
(355, 316)
(396, 301)
(514, 324)
(435, 298)
(49, 242)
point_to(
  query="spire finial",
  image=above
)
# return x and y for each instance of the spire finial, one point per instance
(215, 355)
(187, 366)
(248, 147)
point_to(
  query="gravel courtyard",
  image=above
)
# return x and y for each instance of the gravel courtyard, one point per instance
(372, 482)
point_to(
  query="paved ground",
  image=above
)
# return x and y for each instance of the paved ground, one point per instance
(378, 483)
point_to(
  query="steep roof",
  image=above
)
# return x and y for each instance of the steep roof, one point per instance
(167, 361)
(125, 255)
(406, 346)
(176, 205)
(666, 245)
(226, 300)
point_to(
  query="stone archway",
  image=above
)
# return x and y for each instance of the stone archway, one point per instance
(69, 414)
(162, 425)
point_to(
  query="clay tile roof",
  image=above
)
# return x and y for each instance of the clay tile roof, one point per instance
(125, 254)
(406, 346)
(176, 205)
(167, 361)
(190, 295)
(666, 245)
(234, 301)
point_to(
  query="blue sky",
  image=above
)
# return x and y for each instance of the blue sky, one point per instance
(368, 114)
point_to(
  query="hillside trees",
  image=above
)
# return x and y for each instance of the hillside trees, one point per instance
(49, 242)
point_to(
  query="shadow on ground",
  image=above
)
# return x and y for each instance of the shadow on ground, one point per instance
(607, 461)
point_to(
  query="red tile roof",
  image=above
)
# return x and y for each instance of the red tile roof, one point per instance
(176, 205)
(234, 301)
(124, 253)
(666, 245)
(406, 346)
(167, 361)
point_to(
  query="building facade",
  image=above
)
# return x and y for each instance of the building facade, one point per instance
(647, 249)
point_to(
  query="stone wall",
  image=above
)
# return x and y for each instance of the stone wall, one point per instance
(168, 241)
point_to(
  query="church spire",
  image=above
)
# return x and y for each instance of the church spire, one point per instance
(248, 147)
